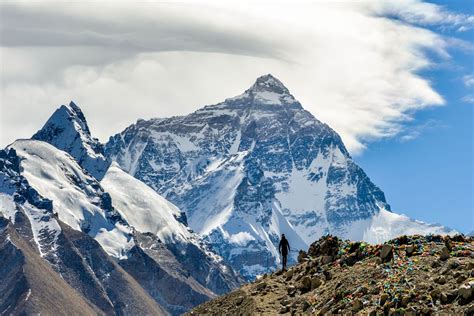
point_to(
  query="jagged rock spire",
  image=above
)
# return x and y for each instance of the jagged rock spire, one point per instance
(67, 130)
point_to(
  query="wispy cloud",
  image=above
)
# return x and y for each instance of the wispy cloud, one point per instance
(468, 99)
(468, 80)
(415, 131)
(357, 68)
(425, 13)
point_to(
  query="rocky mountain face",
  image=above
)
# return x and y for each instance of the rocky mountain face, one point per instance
(410, 275)
(63, 259)
(29, 285)
(122, 256)
(255, 166)
(67, 130)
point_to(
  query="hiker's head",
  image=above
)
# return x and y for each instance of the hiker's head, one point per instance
(282, 236)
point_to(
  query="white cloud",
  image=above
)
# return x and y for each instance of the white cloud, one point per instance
(468, 80)
(468, 98)
(424, 13)
(352, 68)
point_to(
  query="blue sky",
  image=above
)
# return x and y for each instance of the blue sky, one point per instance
(431, 176)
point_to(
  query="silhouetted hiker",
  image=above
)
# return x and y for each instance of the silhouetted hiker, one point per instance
(283, 249)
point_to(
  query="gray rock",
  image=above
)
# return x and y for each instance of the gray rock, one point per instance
(305, 284)
(326, 259)
(285, 301)
(444, 253)
(440, 280)
(291, 289)
(386, 252)
(284, 309)
(465, 291)
(261, 286)
(315, 283)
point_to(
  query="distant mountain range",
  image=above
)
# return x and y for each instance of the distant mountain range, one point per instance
(172, 212)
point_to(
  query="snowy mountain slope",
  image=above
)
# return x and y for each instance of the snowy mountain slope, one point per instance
(67, 130)
(254, 166)
(148, 212)
(143, 208)
(122, 219)
(31, 169)
(78, 259)
(77, 197)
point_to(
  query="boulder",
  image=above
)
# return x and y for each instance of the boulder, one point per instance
(285, 301)
(315, 283)
(326, 259)
(386, 253)
(444, 298)
(291, 290)
(305, 284)
(357, 305)
(302, 255)
(465, 291)
(284, 309)
(440, 280)
(444, 253)
(261, 286)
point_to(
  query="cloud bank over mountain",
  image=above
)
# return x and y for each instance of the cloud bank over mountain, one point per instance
(355, 66)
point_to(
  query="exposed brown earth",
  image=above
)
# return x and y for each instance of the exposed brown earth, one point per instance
(410, 275)
(30, 286)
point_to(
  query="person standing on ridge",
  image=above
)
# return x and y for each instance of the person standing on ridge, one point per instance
(284, 249)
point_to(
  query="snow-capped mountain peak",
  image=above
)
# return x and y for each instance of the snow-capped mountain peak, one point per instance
(267, 90)
(67, 129)
(254, 166)
(269, 83)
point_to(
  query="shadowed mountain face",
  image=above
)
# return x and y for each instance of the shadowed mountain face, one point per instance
(28, 284)
(253, 167)
(67, 130)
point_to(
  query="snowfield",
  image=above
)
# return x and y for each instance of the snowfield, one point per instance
(142, 207)
(77, 196)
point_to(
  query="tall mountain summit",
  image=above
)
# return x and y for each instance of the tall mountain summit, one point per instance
(67, 130)
(254, 166)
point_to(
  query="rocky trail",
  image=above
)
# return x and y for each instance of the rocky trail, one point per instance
(410, 275)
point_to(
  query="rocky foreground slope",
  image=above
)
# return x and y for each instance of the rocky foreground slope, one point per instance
(411, 275)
